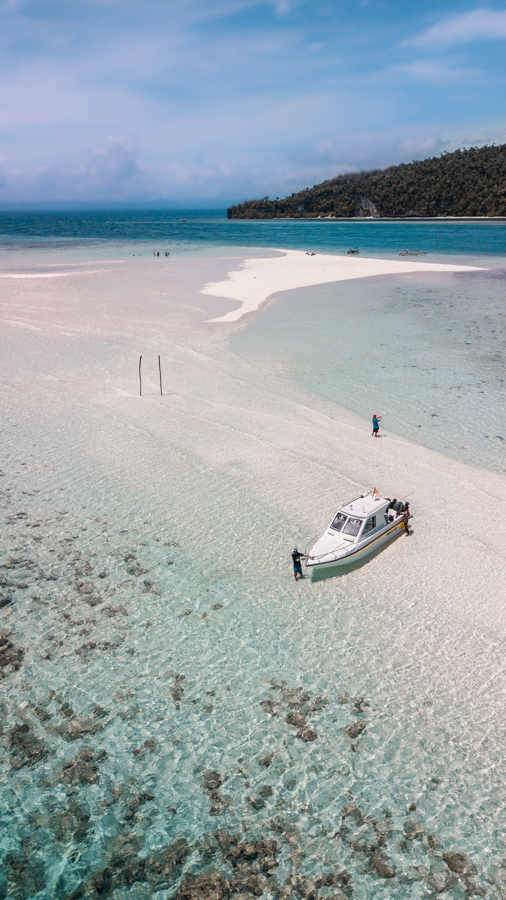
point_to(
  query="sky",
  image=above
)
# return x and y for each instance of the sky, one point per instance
(208, 102)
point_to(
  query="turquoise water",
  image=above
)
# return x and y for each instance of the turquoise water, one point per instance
(142, 231)
(158, 680)
(428, 353)
(175, 712)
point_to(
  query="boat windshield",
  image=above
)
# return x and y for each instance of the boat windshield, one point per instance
(353, 526)
(339, 521)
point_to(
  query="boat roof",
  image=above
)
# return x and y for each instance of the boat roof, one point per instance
(364, 506)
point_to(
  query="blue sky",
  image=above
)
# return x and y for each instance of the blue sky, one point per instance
(206, 102)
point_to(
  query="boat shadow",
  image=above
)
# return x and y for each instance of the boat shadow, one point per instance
(325, 574)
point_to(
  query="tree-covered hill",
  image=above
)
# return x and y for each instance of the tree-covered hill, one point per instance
(464, 183)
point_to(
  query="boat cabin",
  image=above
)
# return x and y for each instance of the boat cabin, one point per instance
(362, 517)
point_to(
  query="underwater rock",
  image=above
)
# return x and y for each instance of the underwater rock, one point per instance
(340, 879)
(78, 728)
(382, 866)
(149, 744)
(212, 781)
(218, 606)
(382, 828)
(270, 706)
(26, 749)
(307, 734)
(267, 760)
(11, 657)
(111, 611)
(294, 718)
(6, 600)
(149, 587)
(83, 769)
(459, 863)
(354, 729)
(25, 875)
(412, 830)
(14, 518)
(294, 697)
(433, 842)
(262, 853)
(440, 882)
(359, 703)
(177, 689)
(136, 570)
(164, 866)
(135, 803)
(206, 886)
(351, 809)
(317, 703)
(299, 704)
(125, 868)
(72, 824)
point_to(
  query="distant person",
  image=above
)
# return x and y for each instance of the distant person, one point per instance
(376, 425)
(297, 566)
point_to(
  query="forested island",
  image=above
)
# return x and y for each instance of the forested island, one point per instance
(463, 183)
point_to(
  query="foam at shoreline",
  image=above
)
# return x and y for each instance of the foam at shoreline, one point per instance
(258, 279)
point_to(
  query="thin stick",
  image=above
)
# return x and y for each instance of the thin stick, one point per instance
(140, 376)
(160, 370)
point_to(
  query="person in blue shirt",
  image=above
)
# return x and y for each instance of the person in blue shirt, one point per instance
(375, 425)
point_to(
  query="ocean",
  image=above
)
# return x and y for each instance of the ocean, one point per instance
(194, 231)
(178, 717)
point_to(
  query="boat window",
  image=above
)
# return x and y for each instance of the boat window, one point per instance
(369, 525)
(353, 526)
(339, 521)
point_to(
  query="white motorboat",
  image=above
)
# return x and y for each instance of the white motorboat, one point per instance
(357, 529)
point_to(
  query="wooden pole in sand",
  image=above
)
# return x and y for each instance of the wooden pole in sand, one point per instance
(160, 371)
(140, 376)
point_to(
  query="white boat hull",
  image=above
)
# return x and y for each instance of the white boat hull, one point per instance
(356, 553)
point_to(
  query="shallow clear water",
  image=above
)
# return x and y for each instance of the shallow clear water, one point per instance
(161, 667)
(428, 353)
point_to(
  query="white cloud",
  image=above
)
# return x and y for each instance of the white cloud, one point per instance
(434, 72)
(477, 25)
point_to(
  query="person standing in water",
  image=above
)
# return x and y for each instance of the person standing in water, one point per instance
(297, 567)
(375, 425)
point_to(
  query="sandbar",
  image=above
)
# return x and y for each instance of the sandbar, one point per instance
(258, 279)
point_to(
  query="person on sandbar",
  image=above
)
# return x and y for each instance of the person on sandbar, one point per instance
(376, 425)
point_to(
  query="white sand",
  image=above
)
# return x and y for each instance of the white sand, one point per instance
(259, 279)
